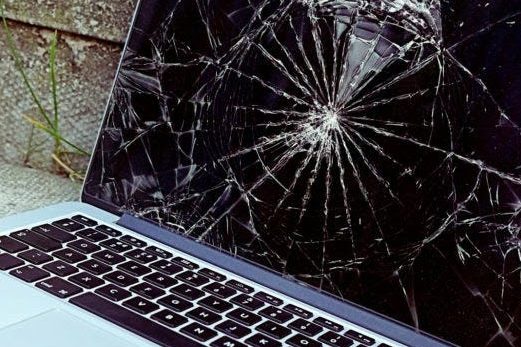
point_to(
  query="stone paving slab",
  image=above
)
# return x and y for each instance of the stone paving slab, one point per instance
(23, 189)
(86, 70)
(107, 20)
(91, 34)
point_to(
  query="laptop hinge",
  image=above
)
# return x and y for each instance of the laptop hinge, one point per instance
(154, 231)
(132, 222)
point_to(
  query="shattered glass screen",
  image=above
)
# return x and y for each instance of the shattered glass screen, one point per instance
(369, 148)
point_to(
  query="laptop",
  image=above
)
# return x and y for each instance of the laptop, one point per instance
(288, 173)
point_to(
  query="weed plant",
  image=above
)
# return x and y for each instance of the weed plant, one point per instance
(47, 121)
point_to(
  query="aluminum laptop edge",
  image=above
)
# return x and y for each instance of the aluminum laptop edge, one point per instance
(266, 65)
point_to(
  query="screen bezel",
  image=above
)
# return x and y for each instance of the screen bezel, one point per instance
(143, 14)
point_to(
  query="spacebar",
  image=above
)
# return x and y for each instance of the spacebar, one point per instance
(131, 321)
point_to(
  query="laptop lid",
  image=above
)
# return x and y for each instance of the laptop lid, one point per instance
(368, 149)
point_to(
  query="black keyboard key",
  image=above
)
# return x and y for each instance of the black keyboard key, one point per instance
(54, 233)
(240, 286)
(268, 298)
(8, 262)
(10, 245)
(355, 335)
(95, 267)
(116, 245)
(247, 302)
(121, 278)
(305, 327)
(69, 255)
(203, 315)
(30, 273)
(132, 321)
(36, 240)
(134, 268)
(92, 235)
(68, 225)
(219, 290)
(109, 231)
(192, 278)
(160, 280)
(175, 303)
(133, 241)
(298, 311)
(141, 256)
(169, 318)
(86, 280)
(273, 329)
(166, 267)
(213, 275)
(326, 323)
(147, 290)
(59, 287)
(300, 340)
(217, 305)
(109, 257)
(35, 256)
(260, 340)
(185, 263)
(199, 332)
(383, 345)
(84, 220)
(187, 292)
(159, 252)
(113, 293)
(141, 305)
(332, 339)
(60, 268)
(276, 314)
(245, 317)
(84, 246)
(233, 329)
(226, 342)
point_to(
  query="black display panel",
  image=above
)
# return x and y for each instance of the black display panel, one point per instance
(369, 148)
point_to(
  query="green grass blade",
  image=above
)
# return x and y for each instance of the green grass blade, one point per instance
(56, 135)
(51, 122)
(19, 65)
(54, 84)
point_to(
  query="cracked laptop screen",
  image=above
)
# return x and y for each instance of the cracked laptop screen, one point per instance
(371, 149)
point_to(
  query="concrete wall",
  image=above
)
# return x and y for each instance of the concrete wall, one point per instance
(91, 34)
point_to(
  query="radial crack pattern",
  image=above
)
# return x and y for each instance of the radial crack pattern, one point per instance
(368, 148)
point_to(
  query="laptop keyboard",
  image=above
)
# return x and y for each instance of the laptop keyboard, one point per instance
(159, 295)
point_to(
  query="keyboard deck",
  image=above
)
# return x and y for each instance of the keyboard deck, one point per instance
(163, 295)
